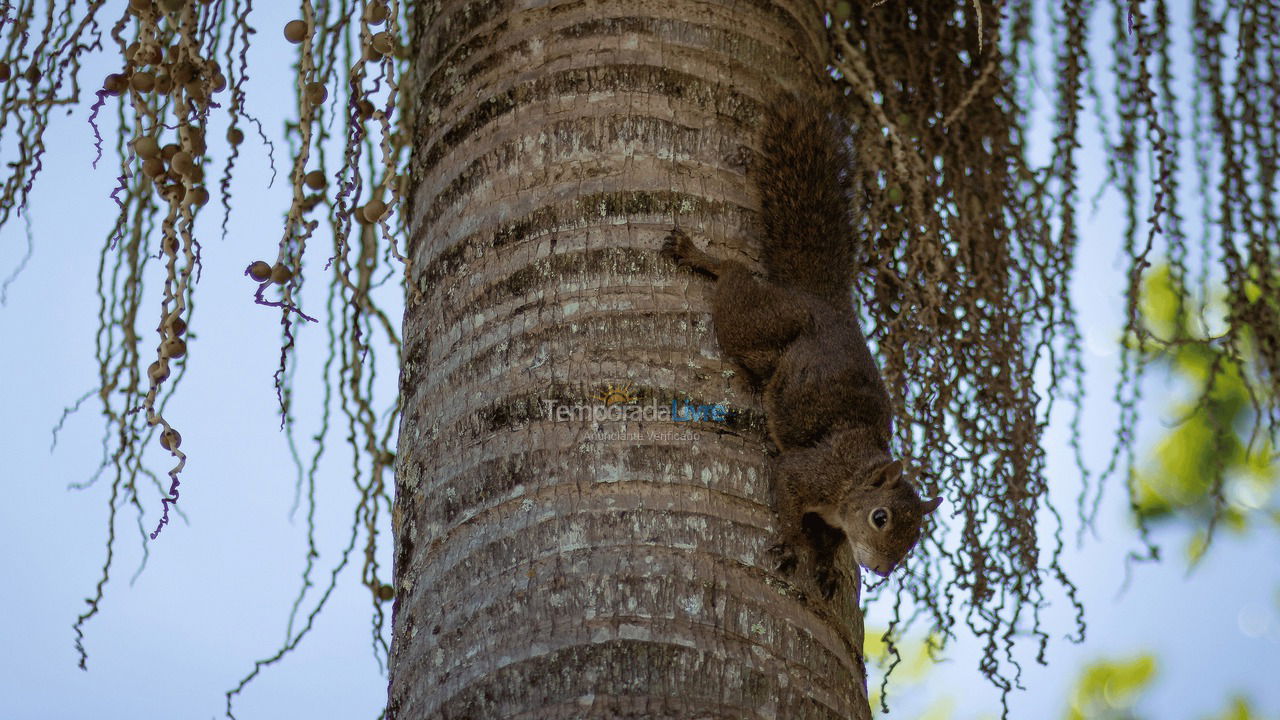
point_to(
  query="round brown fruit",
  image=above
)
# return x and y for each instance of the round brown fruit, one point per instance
(260, 271)
(143, 81)
(377, 13)
(183, 73)
(382, 42)
(170, 439)
(115, 84)
(314, 180)
(374, 210)
(317, 93)
(295, 31)
(158, 372)
(281, 274)
(148, 55)
(146, 146)
(153, 167)
(173, 348)
(182, 162)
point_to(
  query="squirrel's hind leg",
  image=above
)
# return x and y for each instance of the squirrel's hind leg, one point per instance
(680, 248)
(756, 320)
(751, 315)
(789, 476)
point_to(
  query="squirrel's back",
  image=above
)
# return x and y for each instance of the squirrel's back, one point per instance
(804, 179)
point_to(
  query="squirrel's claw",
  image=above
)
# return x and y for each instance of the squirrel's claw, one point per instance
(784, 557)
(828, 581)
(679, 247)
(741, 159)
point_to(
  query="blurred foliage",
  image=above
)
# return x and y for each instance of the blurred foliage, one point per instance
(1105, 689)
(1238, 709)
(910, 661)
(1207, 468)
(1109, 689)
(1112, 689)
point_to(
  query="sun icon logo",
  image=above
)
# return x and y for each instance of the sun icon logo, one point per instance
(615, 395)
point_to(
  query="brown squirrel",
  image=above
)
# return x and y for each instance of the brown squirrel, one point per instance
(798, 339)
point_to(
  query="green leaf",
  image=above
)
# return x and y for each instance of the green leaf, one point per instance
(1109, 689)
(1202, 467)
(1239, 708)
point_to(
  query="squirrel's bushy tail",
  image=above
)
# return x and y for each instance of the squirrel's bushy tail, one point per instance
(803, 175)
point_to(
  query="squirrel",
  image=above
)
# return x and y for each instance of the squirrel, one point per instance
(796, 336)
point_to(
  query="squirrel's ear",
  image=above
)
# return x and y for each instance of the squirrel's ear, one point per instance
(931, 505)
(889, 472)
(893, 470)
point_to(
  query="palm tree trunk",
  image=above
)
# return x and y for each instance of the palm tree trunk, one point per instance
(542, 570)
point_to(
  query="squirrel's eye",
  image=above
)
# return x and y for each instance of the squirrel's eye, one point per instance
(879, 518)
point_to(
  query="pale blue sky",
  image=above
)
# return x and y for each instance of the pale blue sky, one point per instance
(216, 594)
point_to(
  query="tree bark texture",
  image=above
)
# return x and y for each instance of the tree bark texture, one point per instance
(543, 571)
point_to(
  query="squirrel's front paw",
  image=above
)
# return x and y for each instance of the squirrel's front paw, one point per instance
(741, 159)
(784, 557)
(828, 581)
(679, 247)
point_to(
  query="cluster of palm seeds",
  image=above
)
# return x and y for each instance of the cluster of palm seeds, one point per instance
(310, 183)
(165, 63)
(354, 51)
(168, 74)
(180, 69)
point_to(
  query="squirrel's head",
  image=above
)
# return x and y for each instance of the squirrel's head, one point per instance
(882, 517)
